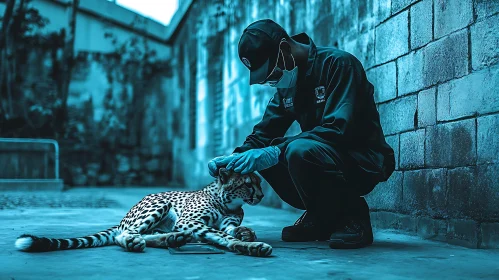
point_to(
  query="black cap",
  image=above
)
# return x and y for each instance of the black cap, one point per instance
(259, 47)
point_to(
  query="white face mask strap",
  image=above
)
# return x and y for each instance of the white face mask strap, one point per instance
(283, 60)
(282, 54)
(294, 62)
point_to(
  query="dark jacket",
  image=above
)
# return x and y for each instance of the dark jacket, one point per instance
(334, 104)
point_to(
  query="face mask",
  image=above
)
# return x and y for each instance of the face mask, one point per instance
(288, 79)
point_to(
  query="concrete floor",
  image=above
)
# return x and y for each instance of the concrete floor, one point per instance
(392, 256)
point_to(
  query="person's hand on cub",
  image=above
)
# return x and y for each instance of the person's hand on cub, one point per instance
(254, 160)
(216, 163)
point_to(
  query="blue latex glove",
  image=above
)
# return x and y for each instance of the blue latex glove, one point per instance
(254, 160)
(216, 163)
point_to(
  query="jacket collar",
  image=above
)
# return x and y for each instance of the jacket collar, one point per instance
(312, 50)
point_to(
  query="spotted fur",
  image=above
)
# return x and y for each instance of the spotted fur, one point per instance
(171, 219)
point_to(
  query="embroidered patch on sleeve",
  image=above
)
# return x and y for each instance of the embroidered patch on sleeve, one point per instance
(288, 102)
(320, 94)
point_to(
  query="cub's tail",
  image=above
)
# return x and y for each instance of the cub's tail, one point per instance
(30, 243)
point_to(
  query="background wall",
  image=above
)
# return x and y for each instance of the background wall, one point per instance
(434, 66)
(117, 129)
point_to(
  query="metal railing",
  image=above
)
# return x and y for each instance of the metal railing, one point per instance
(44, 141)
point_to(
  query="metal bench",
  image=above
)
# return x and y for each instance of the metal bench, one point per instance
(29, 164)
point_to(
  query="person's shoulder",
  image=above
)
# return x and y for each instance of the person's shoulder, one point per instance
(332, 59)
(335, 57)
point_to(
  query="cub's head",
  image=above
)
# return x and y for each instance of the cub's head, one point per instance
(237, 189)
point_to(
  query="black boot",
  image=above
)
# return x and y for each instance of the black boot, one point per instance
(306, 228)
(355, 231)
(354, 234)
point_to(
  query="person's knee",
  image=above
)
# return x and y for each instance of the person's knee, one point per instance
(297, 150)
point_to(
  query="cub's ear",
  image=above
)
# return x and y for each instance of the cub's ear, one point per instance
(223, 175)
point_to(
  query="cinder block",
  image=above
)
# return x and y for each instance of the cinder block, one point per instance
(361, 45)
(411, 77)
(490, 236)
(473, 192)
(446, 58)
(399, 5)
(461, 182)
(415, 193)
(451, 144)
(381, 10)
(398, 115)
(452, 15)
(488, 139)
(364, 48)
(392, 38)
(437, 185)
(384, 79)
(462, 233)
(384, 220)
(393, 141)
(412, 149)
(433, 229)
(427, 107)
(443, 103)
(475, 93)
(387, 195)
(485, 195)
(387, 220)
(424, 192)
(421, 23)
(484, 8)
(365, 14)
(485, 43)
(408, 223)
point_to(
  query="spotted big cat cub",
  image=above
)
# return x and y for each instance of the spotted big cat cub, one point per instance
(171, 219)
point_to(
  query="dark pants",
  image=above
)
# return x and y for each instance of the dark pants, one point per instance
(320, 179)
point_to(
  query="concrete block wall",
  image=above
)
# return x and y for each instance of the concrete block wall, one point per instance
(434, 65)
(437, 79)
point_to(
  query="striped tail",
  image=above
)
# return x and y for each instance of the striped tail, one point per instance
(30, 243)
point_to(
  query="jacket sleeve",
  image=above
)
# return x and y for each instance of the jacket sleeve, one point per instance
(345, 80)
(275, 122)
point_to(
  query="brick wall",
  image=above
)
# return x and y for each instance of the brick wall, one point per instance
(437, 83)
(434, 65)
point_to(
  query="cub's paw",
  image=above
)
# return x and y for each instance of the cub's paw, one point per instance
(135, 243)
(255, 249)
(244, 234)
(177, 239)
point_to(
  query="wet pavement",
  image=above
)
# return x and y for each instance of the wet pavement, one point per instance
(392, 256)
